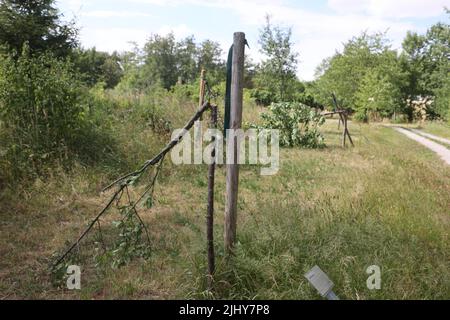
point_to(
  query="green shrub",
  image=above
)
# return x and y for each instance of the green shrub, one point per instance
(298, 124)
(308, 100)
(40, 106)
(263, 97)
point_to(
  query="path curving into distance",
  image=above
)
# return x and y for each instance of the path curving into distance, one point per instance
(442, 151)
(431, 136)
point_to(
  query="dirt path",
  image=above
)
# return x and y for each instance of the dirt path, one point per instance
(431, 136)
(442, 151)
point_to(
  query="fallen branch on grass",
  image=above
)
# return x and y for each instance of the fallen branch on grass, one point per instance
(130, 178)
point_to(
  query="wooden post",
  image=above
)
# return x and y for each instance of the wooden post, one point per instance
(346, 129)
(198, 134)
(237, 84)
(202, 88)
(337, 109)
(210, 208)
(344, 133)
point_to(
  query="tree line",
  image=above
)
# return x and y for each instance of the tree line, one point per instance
(376, 81)
(49, 83)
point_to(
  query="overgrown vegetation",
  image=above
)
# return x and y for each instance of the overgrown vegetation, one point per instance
(298, 124)
(71, 119)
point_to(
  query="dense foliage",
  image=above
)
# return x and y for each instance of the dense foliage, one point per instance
(376, 82)
(164, 61)
(59, 101)
(298, 124)
(40, 106)
(98, 67)
(38, 23)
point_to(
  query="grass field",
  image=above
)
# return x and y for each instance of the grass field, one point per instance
(385, 202)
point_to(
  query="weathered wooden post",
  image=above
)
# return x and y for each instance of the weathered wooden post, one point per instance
(202, 88)
(346, 128)
(210, 209)
(344, 134)
(237, 84)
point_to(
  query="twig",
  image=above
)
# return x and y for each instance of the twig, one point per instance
(138, 216)
(90, 226)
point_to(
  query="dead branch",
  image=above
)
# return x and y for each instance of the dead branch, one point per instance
(136, 174)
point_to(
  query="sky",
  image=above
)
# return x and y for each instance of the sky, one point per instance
(319, 27)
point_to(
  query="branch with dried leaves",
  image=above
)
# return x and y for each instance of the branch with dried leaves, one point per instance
(127, 180)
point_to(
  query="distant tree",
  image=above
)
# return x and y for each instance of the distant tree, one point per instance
(38, 23)
(346, 72)
(277, 72)
(161, 60)
(165, 61)
(249, 72)
(377, 97)
(210, 58)
(186, 58)
(96, 66)
(427, 61)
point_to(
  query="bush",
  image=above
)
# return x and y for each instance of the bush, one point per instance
(298, 124)
(263, 97)
(309, 100)
(40, 96)
(41, 107)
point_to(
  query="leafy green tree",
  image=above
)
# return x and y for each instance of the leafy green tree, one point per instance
(209, 55)
(343, 73)
(442, 99)
(164, 61)
(377, 97)
(186, 57)
(38, 23)
(96, 66)
(161, 60)
(277, 73)
(427, 60)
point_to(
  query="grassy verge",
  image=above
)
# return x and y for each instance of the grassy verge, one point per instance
(384, 202)
(440, 129)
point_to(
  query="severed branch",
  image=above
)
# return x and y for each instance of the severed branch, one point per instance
(164, 151)
(126, 180)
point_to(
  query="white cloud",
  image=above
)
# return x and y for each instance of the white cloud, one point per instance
(112, 39)
(317, 34)
(349, 6)
(119, 14)
(180, 31)
(391, 8)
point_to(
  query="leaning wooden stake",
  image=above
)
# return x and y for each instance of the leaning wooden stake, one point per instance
(346, 128)
(344, 131)
(343, 118)
(210, 209)
(237, 84)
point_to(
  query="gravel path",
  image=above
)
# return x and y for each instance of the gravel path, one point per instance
(442, 151)
(431, 136)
